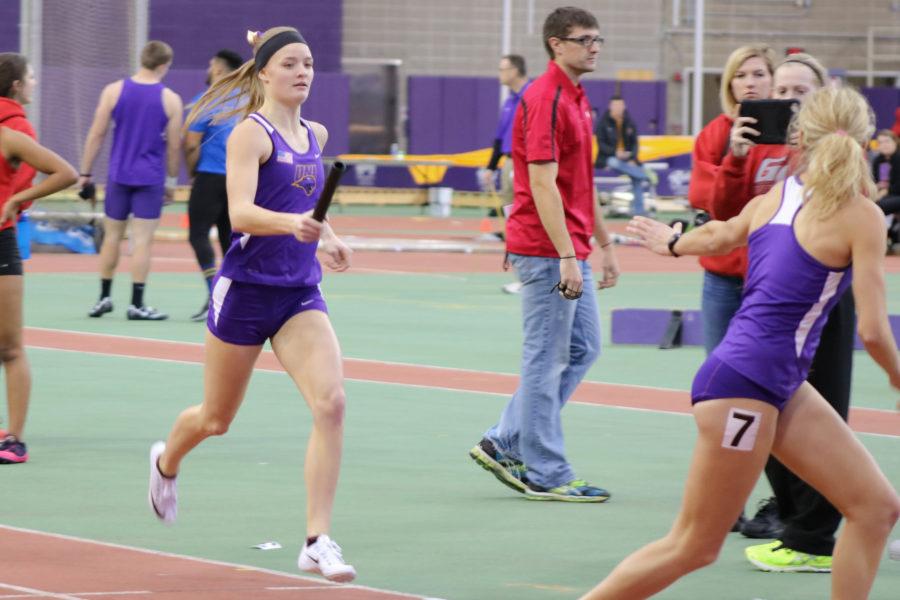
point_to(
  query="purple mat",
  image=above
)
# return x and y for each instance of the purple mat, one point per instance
(647, 326)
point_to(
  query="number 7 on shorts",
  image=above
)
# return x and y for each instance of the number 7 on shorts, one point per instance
(740, 429)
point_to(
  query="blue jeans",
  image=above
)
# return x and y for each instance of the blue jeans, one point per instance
(561, 342)
(721, 300)
(638, 177)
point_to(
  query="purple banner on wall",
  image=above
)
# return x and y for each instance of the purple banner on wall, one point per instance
(884, 101)
(198, 29)
(458, 114)
(451, 114)
(9, 26)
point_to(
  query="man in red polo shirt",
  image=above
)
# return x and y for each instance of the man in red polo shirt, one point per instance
(548, 234)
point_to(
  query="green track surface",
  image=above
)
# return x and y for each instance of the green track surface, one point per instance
(414, 513)
(450, 320)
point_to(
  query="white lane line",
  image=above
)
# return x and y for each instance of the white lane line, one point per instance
(122, 593)
(206, 561)
(32, 593)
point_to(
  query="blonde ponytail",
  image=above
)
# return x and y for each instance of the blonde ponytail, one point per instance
(835, 125)
(240, 87)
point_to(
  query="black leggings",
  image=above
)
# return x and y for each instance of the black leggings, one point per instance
(208, 206)
(889, 204)
(10, 260)
(809, 519)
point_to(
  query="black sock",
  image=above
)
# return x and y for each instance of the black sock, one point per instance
(311, 540)
(105, 288)
(137, 294)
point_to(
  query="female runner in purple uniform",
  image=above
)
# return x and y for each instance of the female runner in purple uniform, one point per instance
(267, 287)
(807, 236)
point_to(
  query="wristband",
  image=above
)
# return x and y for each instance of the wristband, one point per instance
(565, 257)
(84, 175)
(672, 241)
(609, 243)
(171, 182)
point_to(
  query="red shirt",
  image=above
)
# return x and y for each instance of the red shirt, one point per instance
(552, 123)
(722, 184)
(12, 181)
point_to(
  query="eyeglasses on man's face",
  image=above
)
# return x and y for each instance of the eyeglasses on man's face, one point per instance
(585, 40)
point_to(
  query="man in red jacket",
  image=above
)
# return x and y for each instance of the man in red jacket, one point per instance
(548, 233)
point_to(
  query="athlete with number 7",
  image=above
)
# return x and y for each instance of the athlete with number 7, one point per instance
(268, 285)
(807, 237)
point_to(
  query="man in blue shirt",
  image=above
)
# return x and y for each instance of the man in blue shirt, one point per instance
(513, 76)
(204, 154)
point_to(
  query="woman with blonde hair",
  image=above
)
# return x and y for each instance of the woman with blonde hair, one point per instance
(719, 189)
(808, 237)
(806, 521)
(268, 285)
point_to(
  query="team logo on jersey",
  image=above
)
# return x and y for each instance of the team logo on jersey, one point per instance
(305, 178)
(285, 156)
(771, 170)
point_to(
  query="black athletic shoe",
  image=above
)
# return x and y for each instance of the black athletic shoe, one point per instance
(739, 524)
(145, 313)
(766, 524)
(103, 306)
(200, 315)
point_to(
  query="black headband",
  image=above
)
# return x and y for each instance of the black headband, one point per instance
(274, 44)
(797, 61)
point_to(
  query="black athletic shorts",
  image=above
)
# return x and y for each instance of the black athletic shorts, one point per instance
(10, 259)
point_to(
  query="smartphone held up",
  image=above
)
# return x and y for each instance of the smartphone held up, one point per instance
(773, 117)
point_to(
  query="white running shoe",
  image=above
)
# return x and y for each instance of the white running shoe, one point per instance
(324, 558)
(163, 494)
(894, 550)
(513, 288)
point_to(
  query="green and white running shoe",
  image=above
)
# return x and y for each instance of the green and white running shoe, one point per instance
(778, 558)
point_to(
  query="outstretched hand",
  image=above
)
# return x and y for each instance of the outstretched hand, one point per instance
(652, 234)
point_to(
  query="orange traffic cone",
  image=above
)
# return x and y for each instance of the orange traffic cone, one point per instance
(485, 226)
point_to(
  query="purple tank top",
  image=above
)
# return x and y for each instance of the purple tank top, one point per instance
(788, 295)
(138, 154)
(289, 182)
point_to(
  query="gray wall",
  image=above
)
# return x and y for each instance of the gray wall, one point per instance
(462, 37)
(832, 30)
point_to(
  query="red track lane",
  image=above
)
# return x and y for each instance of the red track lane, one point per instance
(177, 257)
(862, 420)
(38, 566)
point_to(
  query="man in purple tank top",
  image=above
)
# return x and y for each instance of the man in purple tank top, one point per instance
(143, 167)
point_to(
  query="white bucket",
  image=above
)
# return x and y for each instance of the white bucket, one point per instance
(440, 200)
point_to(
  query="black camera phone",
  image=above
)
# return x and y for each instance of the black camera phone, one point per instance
(772, 119)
